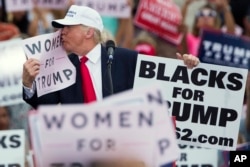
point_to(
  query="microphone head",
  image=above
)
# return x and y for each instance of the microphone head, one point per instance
(110, 44)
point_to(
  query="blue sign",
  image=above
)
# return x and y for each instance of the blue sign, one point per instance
(221, 48)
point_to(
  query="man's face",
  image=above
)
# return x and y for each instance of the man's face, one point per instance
(72, 37)
(4, 119)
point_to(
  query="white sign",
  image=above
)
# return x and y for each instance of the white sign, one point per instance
(12, 148)
(19, 5)
(92, 135)
(56, 70)
(118, 129)
(52, 4)
(194, 156)
(206, 101)
(153, 96)
(117, 8)
(12, 58)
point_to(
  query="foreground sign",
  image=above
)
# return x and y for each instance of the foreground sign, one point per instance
(133, 125)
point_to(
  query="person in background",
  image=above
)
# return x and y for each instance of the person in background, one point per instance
(5, 116)
(125, 31)
(81, 36)
(8, 31)
(5, 124)
(21, 20)
(40, 19)
(208, 16)
(246, 22)
(244, 129)
(144, 43)
(228, 24)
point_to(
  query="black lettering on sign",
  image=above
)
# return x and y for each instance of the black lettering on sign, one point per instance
(147, 69)
(79, 120)
(54, 78)
(198, 76)
(187, 94)
(99, 119)
(163, 145)
(34, 48)
(202, 115)
(180, 74)
(49, 45)
(14, 141)
(155, 98)
(49, 62)
(95, 144)
(54, 119)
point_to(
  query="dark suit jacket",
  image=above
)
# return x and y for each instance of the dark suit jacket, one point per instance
(122, 70)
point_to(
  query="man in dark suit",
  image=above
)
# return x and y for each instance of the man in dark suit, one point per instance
(81, 36)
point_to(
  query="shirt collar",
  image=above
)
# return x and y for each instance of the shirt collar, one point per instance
(94, 55)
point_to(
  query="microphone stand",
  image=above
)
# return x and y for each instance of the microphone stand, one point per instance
(109, 63)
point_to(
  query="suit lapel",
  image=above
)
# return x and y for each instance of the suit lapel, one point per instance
(105, 80)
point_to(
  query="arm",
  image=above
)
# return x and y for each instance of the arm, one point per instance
(183, 48)
(224, 7)
(30, 71)
(125, 32)
(184, 8)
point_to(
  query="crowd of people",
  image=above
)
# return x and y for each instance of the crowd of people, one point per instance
(222, 15)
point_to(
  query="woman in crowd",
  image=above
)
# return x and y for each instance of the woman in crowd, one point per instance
(208, 16)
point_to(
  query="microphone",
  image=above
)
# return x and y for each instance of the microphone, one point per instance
(110, 47)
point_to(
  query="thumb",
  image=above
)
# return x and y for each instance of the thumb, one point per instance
(179, 56)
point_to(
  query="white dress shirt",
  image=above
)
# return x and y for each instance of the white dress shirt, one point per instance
(94, 66)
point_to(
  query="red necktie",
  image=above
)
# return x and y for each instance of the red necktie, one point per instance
(87, 85)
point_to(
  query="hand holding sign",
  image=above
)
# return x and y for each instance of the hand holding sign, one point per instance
(189, 60)
(210, 120)
(48, 64)
(30, 70)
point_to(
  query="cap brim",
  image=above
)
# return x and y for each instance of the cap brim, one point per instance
(60, 23)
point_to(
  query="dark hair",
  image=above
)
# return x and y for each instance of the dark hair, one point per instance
(195, 29)
(3, 13)
(22, 24)
(7, 109)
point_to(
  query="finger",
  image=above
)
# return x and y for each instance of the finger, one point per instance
(179, 56)
(194, 61)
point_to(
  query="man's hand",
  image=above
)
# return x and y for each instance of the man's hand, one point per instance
(189, 60)
(30, 70)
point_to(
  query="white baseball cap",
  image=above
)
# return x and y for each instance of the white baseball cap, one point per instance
(80, 15)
